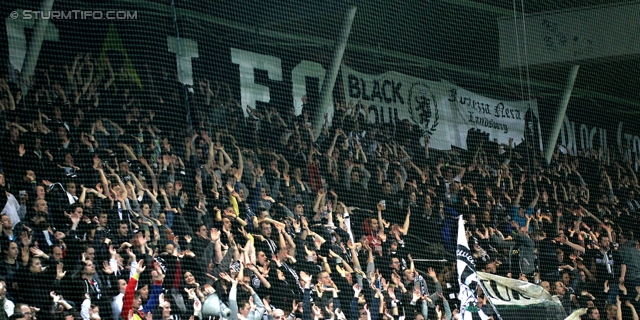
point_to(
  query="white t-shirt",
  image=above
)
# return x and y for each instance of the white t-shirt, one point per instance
(12, 208)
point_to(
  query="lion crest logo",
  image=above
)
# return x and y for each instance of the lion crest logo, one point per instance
(423, 108)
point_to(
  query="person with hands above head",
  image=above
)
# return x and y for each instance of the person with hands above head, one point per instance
(354, 310)
(89, 311)
(34, 280)
(445, 314)
(157, 276)
(132, 300)
(59, 301)
(327, 292)
(607, 262)
(243, 310)
(376, 298)
(306, 284)
(416, 297)
(413, 280)
(101, 285)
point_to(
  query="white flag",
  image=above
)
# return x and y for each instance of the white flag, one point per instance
(467, 278)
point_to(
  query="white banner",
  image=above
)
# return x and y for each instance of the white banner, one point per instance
(444, 111)
(512, 292)
(513, 297)
(395, 96)
(500, 119)
(467, 277)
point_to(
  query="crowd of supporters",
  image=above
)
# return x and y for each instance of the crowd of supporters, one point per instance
(117, 208)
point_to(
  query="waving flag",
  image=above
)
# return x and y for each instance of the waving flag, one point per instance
(509, 298)
(512, 298)
(467, 278)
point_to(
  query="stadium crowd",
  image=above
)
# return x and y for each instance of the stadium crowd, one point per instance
(117, 209)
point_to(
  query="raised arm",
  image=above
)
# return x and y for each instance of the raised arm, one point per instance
(227, 159)
(105, 183)
(167, 204)
(529, 218)
(333, 143)
(154, 180)
(380, 221)
(128, 151)
(7, 90)
(407, 220)
(318, 203)
(87, 81)
(362, 153)
(240, 170)
(564, 193)
(519, 196)
(83, 194)
(565, 241)
(534, 202)
(130, 291)
(233, 302)
(634, 314)
(414, 166)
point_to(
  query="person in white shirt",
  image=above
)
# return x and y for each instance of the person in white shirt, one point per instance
(116, 304)
(12, 208)
(7, 304)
